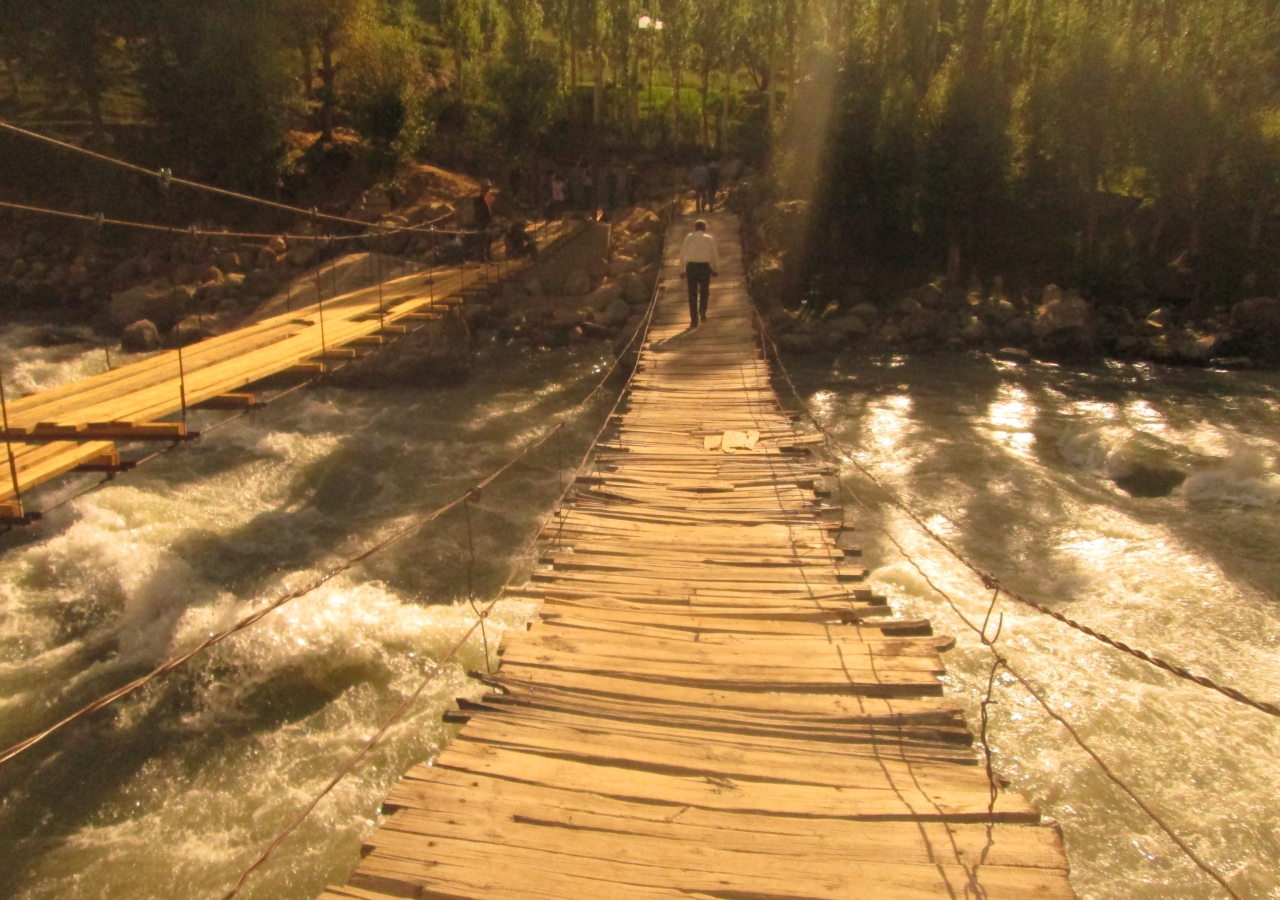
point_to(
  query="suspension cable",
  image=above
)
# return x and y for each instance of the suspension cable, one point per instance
(1002, 662)
(481, 615)
(992, 583)
(252, 619)
(172, 663)
(169, 178)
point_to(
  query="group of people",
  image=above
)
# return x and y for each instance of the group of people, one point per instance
(699, 254)
(587, 190)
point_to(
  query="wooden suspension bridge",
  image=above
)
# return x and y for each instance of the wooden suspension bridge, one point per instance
(77, 426)
(710, 705)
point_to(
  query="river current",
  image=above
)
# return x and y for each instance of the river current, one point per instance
(173, 791)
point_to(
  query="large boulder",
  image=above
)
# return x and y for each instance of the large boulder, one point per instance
(973, 330)
(921, 325)
(640, 221)
(867, 312)
(646, 248)
(848, 327)
(604, 296)
(615, 314)
(1064, 326)
(262, 283)
(1255, 325)
(621, 265)
(797, 342)
(140, 337)
(193, 329)
(577, 282)
(303, 255)
(158, 301)
(1192, 347)
(1148, 478)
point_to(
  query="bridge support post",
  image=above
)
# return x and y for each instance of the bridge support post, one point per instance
(13, 465)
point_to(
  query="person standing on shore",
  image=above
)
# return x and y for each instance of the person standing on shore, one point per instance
(713, 185)
(700, 259)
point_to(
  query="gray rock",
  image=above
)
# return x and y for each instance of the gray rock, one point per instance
(929, 296)
(1002, 311)
(973, 330)
(1256, 324)
(909, 306)
(533, 287)
(140, 337)
(866, 312)
(1160, 317)
(604, 296)
(577, 282)
(1192, 347)
(1149, 479)
(233, 284)
(158, 302)
(302, 255)
(621, 265)
(1232, 363)
(193, 329)
(921, 325)
(261, 283)
(847, 327)
(797, 342)
(615, 314)
(1016, 330)
(1064, 326)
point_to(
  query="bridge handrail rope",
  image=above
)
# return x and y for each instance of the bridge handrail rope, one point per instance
(167, 177)
(100, 220)
(1000, 661)
(345, 769)
(172, 663)
(992, 583)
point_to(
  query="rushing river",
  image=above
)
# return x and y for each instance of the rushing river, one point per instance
(1013, 465)
(173, 791)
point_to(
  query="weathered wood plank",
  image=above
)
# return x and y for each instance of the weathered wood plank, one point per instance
(708, 707)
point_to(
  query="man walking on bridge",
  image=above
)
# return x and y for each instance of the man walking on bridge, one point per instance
(700, 259)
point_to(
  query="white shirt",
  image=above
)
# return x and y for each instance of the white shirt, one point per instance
(700, 247)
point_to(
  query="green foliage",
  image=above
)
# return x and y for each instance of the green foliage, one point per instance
(384, 88)
(524, 97)
(215, 76)
(1096, 138)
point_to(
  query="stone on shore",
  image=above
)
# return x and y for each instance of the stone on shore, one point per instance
(140, 337)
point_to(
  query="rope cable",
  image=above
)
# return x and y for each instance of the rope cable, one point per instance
(481, 615)
(167, 178)
(1002, 662)
(991, 582)
(252, 619)
(172, 663)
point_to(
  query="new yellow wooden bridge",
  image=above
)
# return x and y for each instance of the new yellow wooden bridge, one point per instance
(709, 706)
(77, 426)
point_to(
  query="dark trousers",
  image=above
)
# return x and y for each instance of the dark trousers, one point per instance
(699, 278)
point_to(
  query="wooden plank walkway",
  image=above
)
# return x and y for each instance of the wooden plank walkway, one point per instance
(710, 706)
(65, 428)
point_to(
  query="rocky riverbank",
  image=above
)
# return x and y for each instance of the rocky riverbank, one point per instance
(595, 288)
(157, 290)
(1051, 323)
